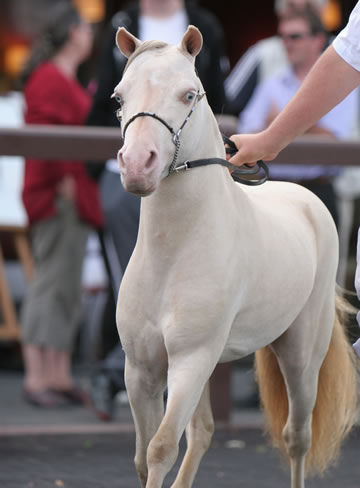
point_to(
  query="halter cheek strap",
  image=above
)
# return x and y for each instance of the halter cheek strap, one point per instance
(231, 149)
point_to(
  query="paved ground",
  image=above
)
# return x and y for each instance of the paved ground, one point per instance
(237, 458)
(70, 448)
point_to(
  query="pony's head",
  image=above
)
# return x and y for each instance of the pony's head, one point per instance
(157, 92)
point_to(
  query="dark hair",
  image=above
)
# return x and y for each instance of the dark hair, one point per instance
(52, 36)
(309, 14)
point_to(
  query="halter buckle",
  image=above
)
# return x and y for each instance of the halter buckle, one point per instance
(176, 136)
(182, 167)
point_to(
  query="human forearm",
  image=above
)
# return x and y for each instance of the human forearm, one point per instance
(328, 83)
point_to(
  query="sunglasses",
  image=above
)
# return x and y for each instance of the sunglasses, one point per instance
(295, 36)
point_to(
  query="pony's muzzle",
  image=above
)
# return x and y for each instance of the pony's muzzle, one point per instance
(140, 162)
(138, 169)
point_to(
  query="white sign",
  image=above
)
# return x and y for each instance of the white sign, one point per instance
(12, 211)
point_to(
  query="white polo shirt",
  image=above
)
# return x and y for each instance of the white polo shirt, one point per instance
(347, 43)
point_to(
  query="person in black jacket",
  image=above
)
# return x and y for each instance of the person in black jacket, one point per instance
(165, 20)
(211, 63)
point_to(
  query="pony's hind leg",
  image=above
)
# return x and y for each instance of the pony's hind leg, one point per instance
(297, 357)
(199, 433)
(297, 433)
(145, 387)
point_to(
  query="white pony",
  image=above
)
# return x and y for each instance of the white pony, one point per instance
(221, 270)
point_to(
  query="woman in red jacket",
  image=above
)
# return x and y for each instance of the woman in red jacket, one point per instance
(62, 204)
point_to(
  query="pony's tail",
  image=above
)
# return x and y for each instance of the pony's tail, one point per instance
(336, 405)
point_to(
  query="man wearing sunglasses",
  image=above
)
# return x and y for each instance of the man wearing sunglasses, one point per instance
(267, 57)
(304, 40)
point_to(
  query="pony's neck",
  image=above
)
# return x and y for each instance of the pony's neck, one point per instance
(188, 197)
(189, 185)
(210, 143)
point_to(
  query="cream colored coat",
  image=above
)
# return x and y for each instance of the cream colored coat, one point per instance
(219, 271)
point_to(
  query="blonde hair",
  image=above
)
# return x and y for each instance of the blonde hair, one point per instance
(281, 5)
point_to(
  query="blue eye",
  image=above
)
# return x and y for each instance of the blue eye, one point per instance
(189, 97)
(117, 98)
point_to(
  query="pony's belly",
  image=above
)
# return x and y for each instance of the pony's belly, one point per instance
(259, 326)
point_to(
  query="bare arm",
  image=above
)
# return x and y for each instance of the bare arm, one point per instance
(328, 83)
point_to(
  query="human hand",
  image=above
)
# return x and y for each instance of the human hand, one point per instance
(251, 148)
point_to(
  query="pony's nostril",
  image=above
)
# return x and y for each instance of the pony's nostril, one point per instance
(120, 159)
(150, 162)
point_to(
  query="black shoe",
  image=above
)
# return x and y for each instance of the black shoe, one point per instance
(102, 396)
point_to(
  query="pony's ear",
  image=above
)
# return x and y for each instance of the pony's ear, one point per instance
(126, 42)
(192, 41)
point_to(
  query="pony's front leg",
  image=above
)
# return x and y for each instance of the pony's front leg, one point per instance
(187, 377)
(145, 389)
(199, 433)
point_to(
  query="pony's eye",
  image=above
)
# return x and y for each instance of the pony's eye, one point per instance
(189, 97)
(118, 98)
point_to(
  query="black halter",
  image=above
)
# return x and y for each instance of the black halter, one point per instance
(236, 171)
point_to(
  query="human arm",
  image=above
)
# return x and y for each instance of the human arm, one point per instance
(330, 81)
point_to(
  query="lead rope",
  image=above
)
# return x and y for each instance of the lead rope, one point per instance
(237, 172)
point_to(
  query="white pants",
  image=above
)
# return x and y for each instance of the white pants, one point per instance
(357, 288)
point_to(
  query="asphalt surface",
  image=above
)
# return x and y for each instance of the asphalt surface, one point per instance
(237, 458)
(71, 448)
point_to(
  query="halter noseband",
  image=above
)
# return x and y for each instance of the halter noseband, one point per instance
(232, 149)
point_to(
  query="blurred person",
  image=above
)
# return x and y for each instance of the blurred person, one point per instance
(165, 20)
(304, 39)
(318, 94)
(62, 204)
(265, 58)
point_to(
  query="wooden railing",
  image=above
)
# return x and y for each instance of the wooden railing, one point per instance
(98, 144)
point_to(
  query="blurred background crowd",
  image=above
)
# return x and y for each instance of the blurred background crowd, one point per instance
(243, 23)
(59, 65)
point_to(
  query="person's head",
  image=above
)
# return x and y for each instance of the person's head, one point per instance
(160, 8)
(281, 6)
(63, 29)
(303, 35)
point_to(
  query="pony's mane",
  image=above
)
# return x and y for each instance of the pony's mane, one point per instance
(145, 46)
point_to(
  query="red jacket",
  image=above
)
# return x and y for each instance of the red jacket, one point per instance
(53, 98)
